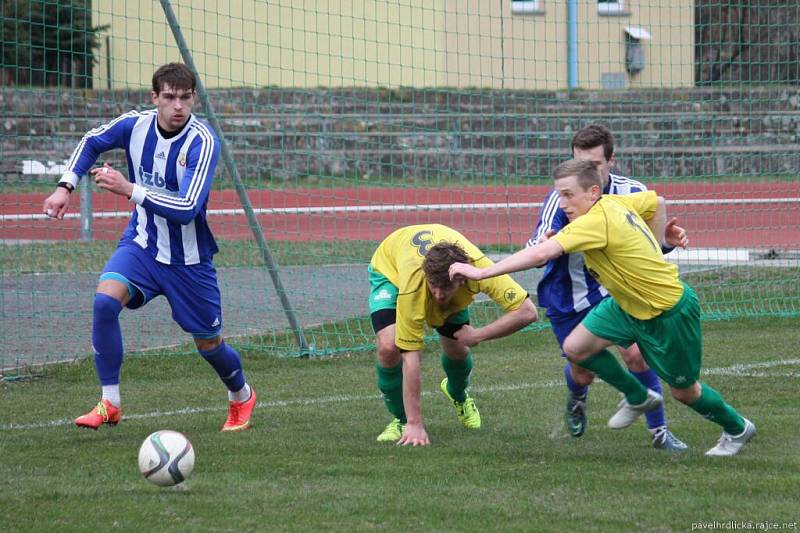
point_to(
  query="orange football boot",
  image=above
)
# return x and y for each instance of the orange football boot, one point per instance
(103, 413)
(239, 414)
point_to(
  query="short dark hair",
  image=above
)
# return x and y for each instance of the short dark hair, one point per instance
(176, 75)
(594, 135)
(585, 171)
(436, 264)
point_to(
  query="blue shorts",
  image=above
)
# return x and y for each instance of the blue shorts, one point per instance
(191, 290)
(564, 324)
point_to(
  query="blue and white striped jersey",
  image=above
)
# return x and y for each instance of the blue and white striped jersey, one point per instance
(566, 286)
(172, 180)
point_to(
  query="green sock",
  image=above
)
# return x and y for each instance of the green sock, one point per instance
(458, 373)
(606, 366)
(711, 405)
(390, 383)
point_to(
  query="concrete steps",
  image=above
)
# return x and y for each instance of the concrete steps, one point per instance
(283, 133)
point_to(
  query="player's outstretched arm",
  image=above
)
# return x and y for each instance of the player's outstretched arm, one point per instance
(507, 324)
(522, 260)
(414, 433)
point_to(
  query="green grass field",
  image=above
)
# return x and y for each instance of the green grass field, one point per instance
(310, 462)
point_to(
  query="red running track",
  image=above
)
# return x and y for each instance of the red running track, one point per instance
(725, 215)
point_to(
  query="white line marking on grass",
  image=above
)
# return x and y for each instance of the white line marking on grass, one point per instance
(273, 403)
(739, 370)
(743, 370)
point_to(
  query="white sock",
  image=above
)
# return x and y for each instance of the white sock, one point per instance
(111, 393)
(241, 395)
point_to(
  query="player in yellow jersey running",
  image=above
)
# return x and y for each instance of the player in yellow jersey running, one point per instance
(410, 287)
(650, 305)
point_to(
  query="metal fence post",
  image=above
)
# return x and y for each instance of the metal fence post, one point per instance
(86, 209)
(227, 158)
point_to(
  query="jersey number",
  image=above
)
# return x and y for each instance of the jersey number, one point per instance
(422, 241)
(632, 221)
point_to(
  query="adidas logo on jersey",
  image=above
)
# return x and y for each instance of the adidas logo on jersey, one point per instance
(160, 155)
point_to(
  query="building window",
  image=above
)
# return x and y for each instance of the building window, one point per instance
(526, 6)
(610, 6)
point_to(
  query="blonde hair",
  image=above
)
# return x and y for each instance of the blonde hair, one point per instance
(585, 171)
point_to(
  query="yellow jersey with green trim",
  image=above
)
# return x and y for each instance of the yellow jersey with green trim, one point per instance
(623, 255)
(399, 257)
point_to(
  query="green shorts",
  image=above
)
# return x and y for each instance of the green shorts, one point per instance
(383, 295)
(671, 343)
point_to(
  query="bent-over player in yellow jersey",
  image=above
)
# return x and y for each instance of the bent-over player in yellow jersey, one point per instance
(410, 288)
(621, 239)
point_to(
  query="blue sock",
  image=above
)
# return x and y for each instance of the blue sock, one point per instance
(107, 338)
(649, 378)
(576, 389)
(228, 365)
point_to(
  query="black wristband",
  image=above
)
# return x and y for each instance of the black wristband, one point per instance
(66, 185)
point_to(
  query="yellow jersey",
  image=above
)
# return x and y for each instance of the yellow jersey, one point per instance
(399, 257)
(623, 255)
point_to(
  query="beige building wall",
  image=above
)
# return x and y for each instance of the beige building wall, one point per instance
(488, 46)
(369, 43)
(669, 54)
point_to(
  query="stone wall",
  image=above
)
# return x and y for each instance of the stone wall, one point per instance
(281, 134)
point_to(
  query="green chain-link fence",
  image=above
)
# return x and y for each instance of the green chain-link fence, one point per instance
(346, 120)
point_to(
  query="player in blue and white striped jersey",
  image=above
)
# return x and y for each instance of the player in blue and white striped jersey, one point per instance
(167, 248)
(568, 291)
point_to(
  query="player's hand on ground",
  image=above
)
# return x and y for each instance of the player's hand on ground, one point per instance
(414, 435)
(465, 271)
(111, 180)
(675, 235)
(466, 336)
(55, 205)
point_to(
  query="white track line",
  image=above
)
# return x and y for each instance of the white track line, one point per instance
(739, 370)
(395, 208)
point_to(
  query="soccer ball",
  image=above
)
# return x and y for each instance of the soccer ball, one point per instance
(166, 458)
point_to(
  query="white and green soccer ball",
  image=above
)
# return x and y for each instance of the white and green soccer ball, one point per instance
(166, 458)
